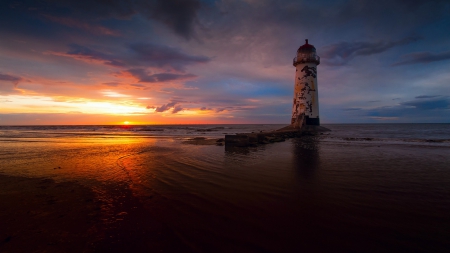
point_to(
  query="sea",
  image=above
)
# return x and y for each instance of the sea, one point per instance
(357, 188)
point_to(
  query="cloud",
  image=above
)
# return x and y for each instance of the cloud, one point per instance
(138, 85)
(422, 57)
(164, 56)
(145, 77)
(87, 9)
(165, 107)
(142, 55)
(14, 79)
(143, 60)
(420, 109)
(352, 109)
(341, 53)
(177, 109)
(86, 54)
(438, 102)
(426, 96)
(179, 15)
(112, 84)
(384, 118)
(75, 23)
(174, 105)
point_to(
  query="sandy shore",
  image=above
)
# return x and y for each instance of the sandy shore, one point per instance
(39, 215)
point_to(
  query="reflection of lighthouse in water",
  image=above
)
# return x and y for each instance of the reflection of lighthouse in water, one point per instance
(305, 110)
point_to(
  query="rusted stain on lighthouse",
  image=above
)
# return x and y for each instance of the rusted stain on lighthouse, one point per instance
(305, 108)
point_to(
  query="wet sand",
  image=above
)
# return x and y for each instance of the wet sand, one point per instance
(136, 194)
(41, 215)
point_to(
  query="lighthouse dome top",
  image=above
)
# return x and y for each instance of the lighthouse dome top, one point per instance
(306, 54)
(306, 48)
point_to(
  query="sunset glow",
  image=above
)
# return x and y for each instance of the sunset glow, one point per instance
(89, 63)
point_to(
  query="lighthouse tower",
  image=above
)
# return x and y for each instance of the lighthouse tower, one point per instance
(305, 109)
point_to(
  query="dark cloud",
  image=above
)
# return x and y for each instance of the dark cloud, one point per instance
(177, 109)
(165, 77)
(84, 53)
(341, 53)
(383, 17)
(429, 104)
(145, 77)
(142, 55)
(165, 107)
(86, 26)
(417, 110)
(352, 109)
(374, 101)
(50, 19)
(422, 57)
(83, 9)
(179, 15)
(173, 104)
(384, 118)
(13, 79)
(169, 62)
(426, 96)
(164, 56)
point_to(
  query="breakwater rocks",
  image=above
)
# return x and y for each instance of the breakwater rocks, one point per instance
(204, 141)
(254, 139)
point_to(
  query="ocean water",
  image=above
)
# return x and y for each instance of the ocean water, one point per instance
(358, 188)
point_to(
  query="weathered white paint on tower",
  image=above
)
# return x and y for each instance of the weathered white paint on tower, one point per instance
(305, 109)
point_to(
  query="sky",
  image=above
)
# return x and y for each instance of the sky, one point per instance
(221, 61)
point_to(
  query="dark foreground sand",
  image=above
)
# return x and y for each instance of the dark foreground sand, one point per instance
(40, 215)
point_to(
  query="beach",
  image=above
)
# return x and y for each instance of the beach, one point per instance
(94, 189)
(40, 215)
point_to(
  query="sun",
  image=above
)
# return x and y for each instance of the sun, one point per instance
(126, 122)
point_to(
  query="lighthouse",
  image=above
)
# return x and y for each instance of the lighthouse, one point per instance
(305, 108)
